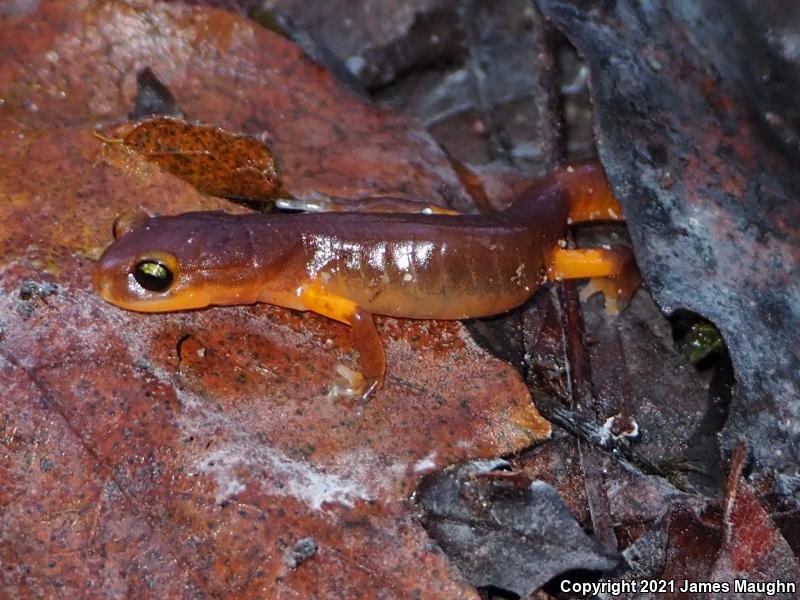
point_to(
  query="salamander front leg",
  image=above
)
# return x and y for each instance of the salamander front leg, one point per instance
(611, 271)
(372, 360)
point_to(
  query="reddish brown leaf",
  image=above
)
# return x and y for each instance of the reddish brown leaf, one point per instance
(679, 547)
(753, 549)
(214, 161)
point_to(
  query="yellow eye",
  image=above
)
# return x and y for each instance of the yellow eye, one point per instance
(156, 273)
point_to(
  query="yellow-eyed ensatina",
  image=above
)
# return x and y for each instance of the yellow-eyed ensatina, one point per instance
(349, 266)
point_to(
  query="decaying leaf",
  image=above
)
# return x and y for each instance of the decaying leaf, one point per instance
(212, 160)
(504, 535)
(207, 453)
(680, 546)
(753, 549)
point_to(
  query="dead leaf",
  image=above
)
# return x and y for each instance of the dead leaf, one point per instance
(212, 160)
(503, 535)
(753, 549)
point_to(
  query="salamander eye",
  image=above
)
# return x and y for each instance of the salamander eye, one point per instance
(153, 275)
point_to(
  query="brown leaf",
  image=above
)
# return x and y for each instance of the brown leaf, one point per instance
(679, 547)
(753, 548)
(214, 161)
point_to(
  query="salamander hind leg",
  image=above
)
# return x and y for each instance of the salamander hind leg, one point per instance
(611, 271)
(590, 195)
(372, 360)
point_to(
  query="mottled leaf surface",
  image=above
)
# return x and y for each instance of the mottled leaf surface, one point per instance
(753, 549)
(214, 161)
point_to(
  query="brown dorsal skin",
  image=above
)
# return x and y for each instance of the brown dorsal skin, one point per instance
(403, 265)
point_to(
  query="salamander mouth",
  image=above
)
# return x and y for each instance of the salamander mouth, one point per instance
(100, 285)
(129, 295)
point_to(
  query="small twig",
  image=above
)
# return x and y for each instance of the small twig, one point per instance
(105, 139)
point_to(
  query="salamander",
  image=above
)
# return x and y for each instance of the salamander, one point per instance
(348, 266)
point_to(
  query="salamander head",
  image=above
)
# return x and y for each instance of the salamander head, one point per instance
(180, 262)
